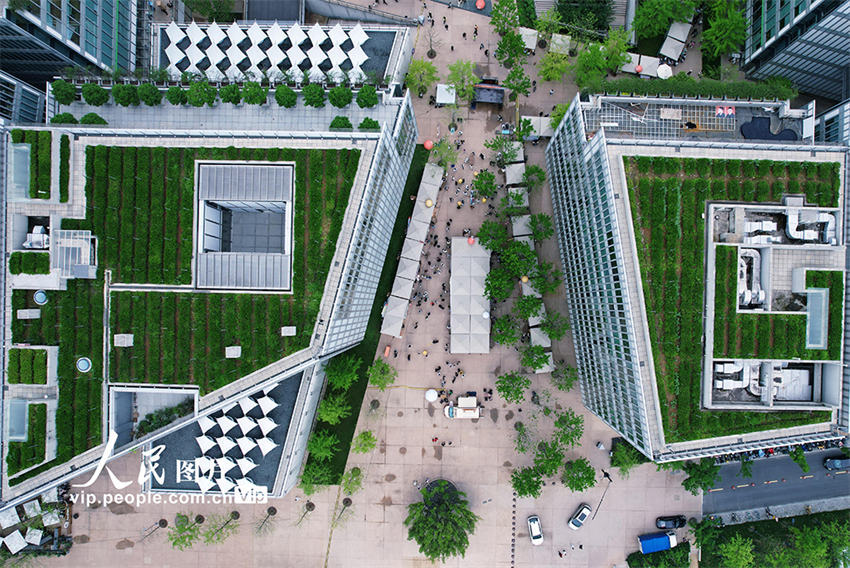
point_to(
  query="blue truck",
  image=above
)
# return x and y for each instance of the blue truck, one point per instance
(656, 542)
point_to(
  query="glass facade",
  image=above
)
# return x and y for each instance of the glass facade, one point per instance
(19, 102)
(834, 125)
(597, 292)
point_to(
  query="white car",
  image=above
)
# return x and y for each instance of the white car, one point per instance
(579, 517)
(535, 531)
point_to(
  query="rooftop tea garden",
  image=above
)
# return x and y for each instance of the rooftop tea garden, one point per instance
(668, 197)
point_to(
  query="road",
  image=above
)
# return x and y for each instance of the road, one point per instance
(777, 481)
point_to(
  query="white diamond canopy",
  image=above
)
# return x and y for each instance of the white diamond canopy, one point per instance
(246, 424)
(204, 484)
(337, 35)
(245, 465)
(358, 56)
(225, 464)
(175, 54)
(255, 54)
(295, 55)
(225, 484)
(215, 33)
(235, 55)
(246, 444)
(194, 54)
(266, 445)
(276, 35)
(337, 56)
(256, 34)
(205, 443)
(317, 35)
(215, 55)
(247, 404)
(174, 33)
(235, 33)
(225, 444)
(267, 404)
(226, 423)
(266, 425)
(205, 422)
(195, 33)
(357, 35)
(316, 55)
(275, 55)
(296, 34)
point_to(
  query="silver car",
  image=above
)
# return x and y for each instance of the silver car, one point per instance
(535, 531)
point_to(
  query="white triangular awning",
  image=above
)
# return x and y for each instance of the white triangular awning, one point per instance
(337, 35)
(225, 464)
(247, 404)
(266, 404)
(175, 33)
(407, 268)
(358, 35)
(206, 423)
(246, 444)
(276, 34)
(245, 465)
(357, 56)
(225, 444)
(337, 56)
(235, 34)
(204, 484)
(226, 423)
(266, 445)
(317, 56)
(246, 424)
(215, 33)
(266, 425)
(295, 55)
(225, 484)
(317, 35)
(195, 33)
(256, 33)
(205, 443)
(296, 34)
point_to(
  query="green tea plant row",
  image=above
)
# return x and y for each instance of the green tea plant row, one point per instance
(27, 367)
(29, 262)
(40, 142)
(667, 197)
(180, 338)
(23, 455)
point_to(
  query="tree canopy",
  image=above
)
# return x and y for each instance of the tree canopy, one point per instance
(462, 76)
(527, 482)
(553, 66)
(505, 330)
(381, 374)
(728, 28)
(653, 17)
(421, 74)
(493, 235)
(701, 475)
(595, 14)
(517, 82)
(579, 475)
(504, 16)
(512, 386)
(511, 49)
(441, 523)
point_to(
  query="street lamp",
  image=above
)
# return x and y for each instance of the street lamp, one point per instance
(346, 503)
(309, 507)
(160, 524)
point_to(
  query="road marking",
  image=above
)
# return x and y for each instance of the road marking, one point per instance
(771, 481)
(743, 485)
(840, 472)
(715, 489)
(806, 476)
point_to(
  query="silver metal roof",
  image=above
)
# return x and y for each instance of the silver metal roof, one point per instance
(244, 270)
(245, 182)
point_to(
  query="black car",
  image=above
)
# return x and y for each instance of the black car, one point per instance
(837, 463)
(673, 522)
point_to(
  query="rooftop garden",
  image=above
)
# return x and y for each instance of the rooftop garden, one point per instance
(27, 367)
(668, 197)
(770, 336)
(31, 452)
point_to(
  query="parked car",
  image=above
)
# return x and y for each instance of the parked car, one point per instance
(671, 522)
(837, 463)
(579, 517)
(535, 531)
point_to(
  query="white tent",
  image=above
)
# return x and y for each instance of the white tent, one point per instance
(679, 31)
(520, 152)
(9, 518)
(479, 324)
(225, 444)
(459, 342)
(205, 443)
(266, 445)
(34, 536)
(541, 125)
(266, 425)
(634, 61)
(528, 290)
(317, 35)
(15, 542)
(402, 287)
(411, 249)
(337, 35)
(247, 404)
(245, 465)
(246, 444)
(560, 44)
(225, 484)
(469, 328)
(446, 95)
(295, 55)
(195, 33)
(276, 34)
(538, 319)
(267, 404)
(540, 338)
(256, 34)
(417, 230)
(514, 173)
(479, 342)
(460, 322)
(407, 268)
(394, 316)
(548, 367)
(671, 48)
(174, 33)
(225, 464)
(206, 423)
(235, 34)
(529, 38)
(215, 33)
(422, 213)
(358, 35)
(521, 196)
(521, 225)
(226, 423)
(296, 34)
(246, 424)
(316, 55)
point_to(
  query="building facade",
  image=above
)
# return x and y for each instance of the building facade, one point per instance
(833, 125)
(19, 103)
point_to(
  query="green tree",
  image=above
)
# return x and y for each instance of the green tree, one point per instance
(548, 23)
(523, 440)
(505, 330)
(653, 17)
(185, 531)
(518, 258)
(352, 481)
(534, 356)
(314, 95)
(218, 527)
(548, 458)
(701, 475)
(541, 227)
(92, 118)
(220, 11)
(799, 458)
(150, 94)
(64, 92)
(728, 28)
(230, 93)
(315, 473)
(625, 458)
(524, 130)
(176, 95)
(441, 523)
(285, 96)
(63, 118)
(381, 374)
(364, 442)
(322, 445)
(593, 15)
(579, 475)
(341, 123)
(95, 95)
(462, 76)
(512, 204)
(493, 235)
(616, 47)
(367, 96)
(564, 376)
(340, 96)
(533, 177)
(505, 149)
(545, 278)
(254, 93)
(737, 552)
(569, 428)
(558, 114)
(590, 65)
(705, 531)
(201, 93)
(341, 371)
(444, 153)
(504, 16)
(746, 468)
(333, 408)
(528, 306)
(511, 49)
(369, 124)
(554, 325)
(517, 82)
(499, 285)
(834, 534)
(484, 184)
(527, 482)
(512, 386)
(553, 66)
(421, 74)
(810, 548)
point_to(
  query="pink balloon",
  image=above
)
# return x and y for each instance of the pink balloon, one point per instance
(480, 4)
(639, 68)
(471, 240)
(428, 144)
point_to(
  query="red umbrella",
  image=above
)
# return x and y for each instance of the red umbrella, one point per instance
(639, 68)
(480, 4)
(471, 240)
(428, 144)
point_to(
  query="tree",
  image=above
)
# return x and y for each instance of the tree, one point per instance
(810, 548)
(504, 16)
(185, 531)
(533, 177)
(728, 28)
(545, 278)
(746, 468)
(314, 95)
(518, 258)
(834, 534)
(705, 531)
(541, 227)
(558, 114)
(592, 14)
(352, 481)
(340, 96)
(150, 94)
(799, 458)
(62, 118)
(462, 76)
(625, 458)
(527, 482)
(504, 330)
(737, 552)
(341, 371)
(510, 49)
(315, 472)
(528, 306)
(218, 527)
(341, 123)
(484, 184)
(333, 408)
(616, 47)
(444, 153)
(176, 95)
(442, 522)
(64, 92)
(493, 235)
(505, 149)
(255, 94)
(554, 325)
(511, 387)
(231, 93)
(322, 445)
(285, 96)
(201, 93)
(364, 442)
(553, 66)
(381, 374)
(653, 17)
(590, 65)
(569, 428)
(563, 376)
(548, 23)
(524, 130)
(579, 475)
(701, 475)
(213, 10)
(95, 95)
(534, 356)
(517, 82)
(92, 118)
(433, 42)
(421, 74)
(499, 285)
(548, 458)
(367, 96)
(369, 124)
(523, 440)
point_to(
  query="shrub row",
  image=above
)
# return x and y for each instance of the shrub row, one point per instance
(27, 454)
(64, 167)
(163, 417)
(27, 366)
(527, 13)
(29, 263)
(40, 143)
(683, 85)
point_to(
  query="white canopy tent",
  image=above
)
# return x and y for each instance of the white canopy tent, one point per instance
(296, 34)
(266, 404)
(548, 367)
(521, 225)
(407, 268)
(521, 198)
(643, 65)
(205, 443)
(672, 48)
(514, 173)
(402, 287)
(226, 423)
(539, 338)
(560, 44)
(470, 265)
(411, 249)
(679, 31)
(15, 542)
(529, 38)
(357, 35)
(417, 230)
(394, 315)
(266, 425)
(445, 95)
(337, 35)
(206, 423)
(520, 152)
(541, 125)
(225, 443)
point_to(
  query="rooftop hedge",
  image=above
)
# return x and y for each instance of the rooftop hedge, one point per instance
(682, 85)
